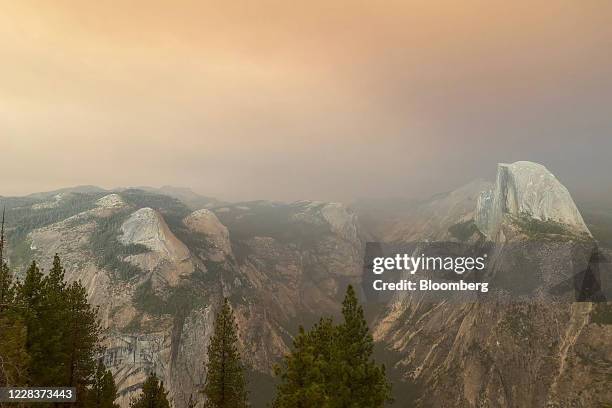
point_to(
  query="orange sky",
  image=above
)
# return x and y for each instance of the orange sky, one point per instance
(290, 100)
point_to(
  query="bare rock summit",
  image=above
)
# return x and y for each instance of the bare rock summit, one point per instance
(527, 189)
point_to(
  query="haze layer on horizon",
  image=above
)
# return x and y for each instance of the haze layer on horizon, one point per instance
(303, 100)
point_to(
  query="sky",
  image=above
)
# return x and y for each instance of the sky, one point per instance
(318, 99)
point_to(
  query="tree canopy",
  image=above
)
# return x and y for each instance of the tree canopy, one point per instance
(225, 385)
(331, 366)
(50, 335)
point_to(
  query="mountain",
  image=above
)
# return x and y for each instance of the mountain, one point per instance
(87, 189)
(158, 270)
(530, 344)
(527, 190)
(159, 261)
(187, 196)
(428, 219)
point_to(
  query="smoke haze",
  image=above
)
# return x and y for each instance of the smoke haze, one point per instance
(286, 100)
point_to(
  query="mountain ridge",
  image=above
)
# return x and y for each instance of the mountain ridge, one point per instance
(283, 263)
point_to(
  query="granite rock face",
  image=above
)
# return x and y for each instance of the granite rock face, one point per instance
(167, 257)
(146, 227)
(526, 189)
(282, 265)
(342, 221)
(205, 222)
(531, 344)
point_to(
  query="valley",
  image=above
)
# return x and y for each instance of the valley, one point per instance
(158, 263)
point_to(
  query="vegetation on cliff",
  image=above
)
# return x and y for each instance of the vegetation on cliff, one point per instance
(50, 336)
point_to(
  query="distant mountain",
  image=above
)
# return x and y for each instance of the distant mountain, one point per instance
(158, 261)
(186, 195)
(76, 189)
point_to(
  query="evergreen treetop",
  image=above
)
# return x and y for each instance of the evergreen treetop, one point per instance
(103, 391)
(332, 366)
(153, 394)
(225, 385)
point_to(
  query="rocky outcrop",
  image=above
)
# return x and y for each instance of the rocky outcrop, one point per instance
(111, 201)
(168, 257)
(70, 239)
(341, 220)
(533, 350)
(174, 349)
(205, 222)
(526, 189)
(147, 227)
(283, 265)
(514, 346)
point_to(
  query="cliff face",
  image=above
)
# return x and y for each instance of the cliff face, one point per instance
(205, 222)
(166, 255)
(539, 351)
(527, 343)
(526, 189)
(158, 270)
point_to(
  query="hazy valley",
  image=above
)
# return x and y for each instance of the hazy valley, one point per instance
(159, 261)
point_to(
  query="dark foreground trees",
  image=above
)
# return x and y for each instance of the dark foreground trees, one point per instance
(225, 385)
(103, 391)
(332, 366)
(50, 335)
(153, 394)
(14, 359)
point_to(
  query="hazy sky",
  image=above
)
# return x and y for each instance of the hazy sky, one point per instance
(317, 99)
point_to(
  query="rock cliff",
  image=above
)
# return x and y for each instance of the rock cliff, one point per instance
(522, 344)
(205, 222)
(167, 257)
(526, 189)
(158, 270)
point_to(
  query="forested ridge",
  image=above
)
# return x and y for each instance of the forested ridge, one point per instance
(51, 336)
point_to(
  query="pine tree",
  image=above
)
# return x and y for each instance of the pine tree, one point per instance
(7, 291)
(13, 335)
(81, 337)
(153, 394)
(305, 374)
(30, 301)
(225, 385)
(332, 366)
(13, 355)
(7, 288)
(41, 307)
(103, 391)
(359, 382)
(62, 330)
(53, 324)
